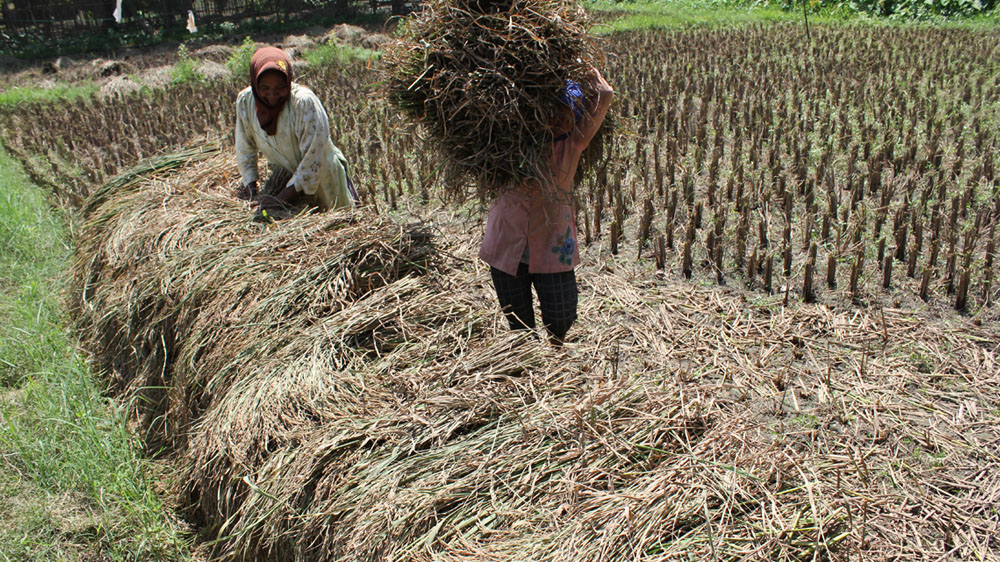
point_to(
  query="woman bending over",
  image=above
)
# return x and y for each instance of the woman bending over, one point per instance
(288, 124)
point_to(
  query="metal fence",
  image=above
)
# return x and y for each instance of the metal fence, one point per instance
(42, 20)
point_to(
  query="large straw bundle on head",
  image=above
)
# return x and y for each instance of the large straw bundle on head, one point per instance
(485, 80)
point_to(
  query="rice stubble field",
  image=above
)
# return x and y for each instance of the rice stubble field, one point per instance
(787, 344)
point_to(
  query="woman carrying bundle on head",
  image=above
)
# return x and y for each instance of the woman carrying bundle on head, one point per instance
(531, 230)
(288, 124)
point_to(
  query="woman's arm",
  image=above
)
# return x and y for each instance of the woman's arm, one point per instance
(312, 130)
(595, 110)
(246, 146)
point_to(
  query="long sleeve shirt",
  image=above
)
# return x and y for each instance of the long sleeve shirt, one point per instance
(301, 145)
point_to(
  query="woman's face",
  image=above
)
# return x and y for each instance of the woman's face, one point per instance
(272, 87)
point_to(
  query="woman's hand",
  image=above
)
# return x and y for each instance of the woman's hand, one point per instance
(601, 87)
(600, 84)
(247, 191)
(285, 198)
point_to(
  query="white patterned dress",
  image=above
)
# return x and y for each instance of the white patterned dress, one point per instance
(301, 145)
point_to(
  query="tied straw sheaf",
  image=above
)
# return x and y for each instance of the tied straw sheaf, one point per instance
(485, 80)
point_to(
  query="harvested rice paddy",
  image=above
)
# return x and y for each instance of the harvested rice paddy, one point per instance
(787, 344)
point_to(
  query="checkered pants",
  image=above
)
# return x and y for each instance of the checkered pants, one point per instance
(557, 298)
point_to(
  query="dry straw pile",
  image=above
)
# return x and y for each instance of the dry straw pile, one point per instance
(484, 79)
(329, 393)
(176, 279)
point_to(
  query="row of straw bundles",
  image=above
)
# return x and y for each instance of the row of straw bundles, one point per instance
(320, 403)
(321, 410)
(174, 280)
(484, 80)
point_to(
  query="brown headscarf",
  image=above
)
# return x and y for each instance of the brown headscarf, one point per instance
(269, 58)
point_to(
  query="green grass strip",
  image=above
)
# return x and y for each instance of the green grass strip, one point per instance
(685, 14)
(73, 480)
(15, 97)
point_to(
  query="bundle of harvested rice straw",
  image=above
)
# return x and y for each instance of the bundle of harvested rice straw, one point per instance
(175, 280)
(484, 79)
(326, 388)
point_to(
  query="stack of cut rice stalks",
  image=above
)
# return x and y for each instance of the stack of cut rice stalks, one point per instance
(329, 390)
(484, 79)
(173, 272)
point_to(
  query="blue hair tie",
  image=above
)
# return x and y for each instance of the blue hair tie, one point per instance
(572, 95)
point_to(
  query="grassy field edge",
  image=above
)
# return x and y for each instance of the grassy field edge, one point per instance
(685, 14)
(73, 483)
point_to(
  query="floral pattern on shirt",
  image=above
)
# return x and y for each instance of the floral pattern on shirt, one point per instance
(565, 248)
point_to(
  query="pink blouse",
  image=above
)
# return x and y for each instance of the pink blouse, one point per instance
(547, 226)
